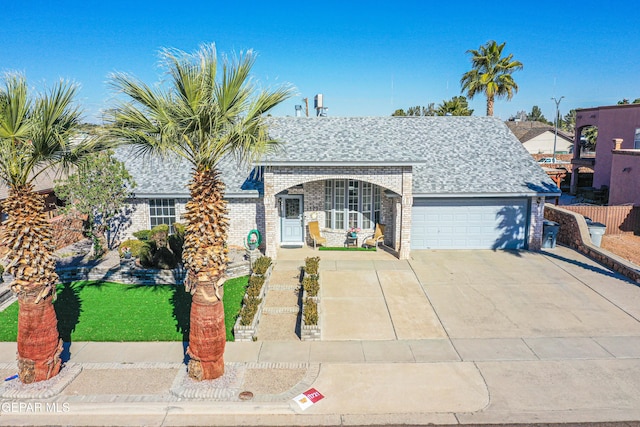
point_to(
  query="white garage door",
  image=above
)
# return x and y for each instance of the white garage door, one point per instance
(469, 223)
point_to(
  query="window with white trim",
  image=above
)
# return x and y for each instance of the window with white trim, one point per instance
(351, 203)
(162, 211)
(636, 139)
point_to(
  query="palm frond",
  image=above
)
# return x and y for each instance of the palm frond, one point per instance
(210, 109)
(489, 69)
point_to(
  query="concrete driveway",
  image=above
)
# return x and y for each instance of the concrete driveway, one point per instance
(478, 295)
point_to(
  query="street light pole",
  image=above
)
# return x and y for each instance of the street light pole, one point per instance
(555, 136)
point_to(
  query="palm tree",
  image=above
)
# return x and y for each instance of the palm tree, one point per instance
(202, 118)
(35, 136)
(490, 74)
(456, 106)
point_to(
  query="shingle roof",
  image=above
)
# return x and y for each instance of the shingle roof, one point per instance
(169, 177)
(526, 130)
(450, 155)
(345, 139)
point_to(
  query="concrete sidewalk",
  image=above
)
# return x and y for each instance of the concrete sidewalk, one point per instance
(512, 338)
(364, 382)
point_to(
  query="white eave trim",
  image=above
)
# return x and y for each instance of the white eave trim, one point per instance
(483, 195)
(344, 164)
(249, 194)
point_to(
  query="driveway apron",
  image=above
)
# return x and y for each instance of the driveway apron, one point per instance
(486, 294)
(375, 300)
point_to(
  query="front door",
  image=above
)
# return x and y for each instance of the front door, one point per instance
(291, 219)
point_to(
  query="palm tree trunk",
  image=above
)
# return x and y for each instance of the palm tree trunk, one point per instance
(27, 235)
(205, 259)
(490, 102)
(207, 335)
(39, 345)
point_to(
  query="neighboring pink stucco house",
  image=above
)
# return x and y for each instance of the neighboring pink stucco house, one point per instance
(617, 167)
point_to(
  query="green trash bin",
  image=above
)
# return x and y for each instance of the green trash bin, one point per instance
(549, 234)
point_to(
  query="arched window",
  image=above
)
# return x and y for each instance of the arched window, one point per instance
(351, 203)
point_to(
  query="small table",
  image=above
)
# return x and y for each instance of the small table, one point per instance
(351, 241)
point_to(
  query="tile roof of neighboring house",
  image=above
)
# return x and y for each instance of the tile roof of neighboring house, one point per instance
(451, 155)
(526, 130)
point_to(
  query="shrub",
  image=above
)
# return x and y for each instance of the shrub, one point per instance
(312, 265)
(1, 271)
(178, 229)
(255, 286)
(146, 255)
(176, 243)
(311, 285)
(261, 265)
(310, 312)
(142, 235)
(249, 310)
(134, 245)
(164, 259)
(159, 234)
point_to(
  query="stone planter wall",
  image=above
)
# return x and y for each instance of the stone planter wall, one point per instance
(310, 332)
(128, 273)
(574, 233)
(246, 333)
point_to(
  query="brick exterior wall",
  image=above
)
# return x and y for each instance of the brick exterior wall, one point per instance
(574, 233)
(291, 176)
(246, 213)
(405, 223)
(262, 213)
(280, 178)
(535, 224)
(137, 219)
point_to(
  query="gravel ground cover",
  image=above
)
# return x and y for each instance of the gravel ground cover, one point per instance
(626, 246)
(122, 381)
(272, 381)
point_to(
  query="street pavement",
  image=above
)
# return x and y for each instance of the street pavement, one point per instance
(446, 338)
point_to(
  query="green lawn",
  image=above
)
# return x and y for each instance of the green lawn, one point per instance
(105, 311)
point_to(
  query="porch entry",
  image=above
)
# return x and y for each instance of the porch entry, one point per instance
(291, 219)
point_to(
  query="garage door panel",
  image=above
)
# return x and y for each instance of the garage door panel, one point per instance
(469, 224)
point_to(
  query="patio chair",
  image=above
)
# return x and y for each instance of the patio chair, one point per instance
(314, 233)
(377, 237)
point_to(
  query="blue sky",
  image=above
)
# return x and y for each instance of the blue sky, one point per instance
(367, 58)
